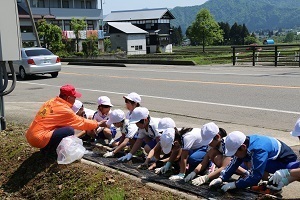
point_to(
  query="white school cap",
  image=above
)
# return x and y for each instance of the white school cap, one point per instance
(165, 123)
(138, 114)
(233, 141)
(104, 100)
(76, 106)
(116, 116)
(296, 131)
(133, 97)
(167, 140)
(208, 132)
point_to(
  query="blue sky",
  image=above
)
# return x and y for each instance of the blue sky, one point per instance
(114, 5)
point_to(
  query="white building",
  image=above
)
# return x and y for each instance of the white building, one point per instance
(126, 37)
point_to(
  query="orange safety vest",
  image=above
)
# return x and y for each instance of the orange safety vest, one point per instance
(55, 113)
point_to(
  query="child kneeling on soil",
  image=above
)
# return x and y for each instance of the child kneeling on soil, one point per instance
(155, 153)
(102, 114)
(213, 136)
(187, 144)
(128, 131)
(147, 131)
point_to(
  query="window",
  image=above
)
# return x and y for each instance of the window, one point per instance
(90, 25)
(140, 47)
(132, 47)
(58, 23)
(38, 3)
(88, 4)
(82, 4)
(58, 4)
(65, 4)
(67, 26)
(26, 29)
(136, 47)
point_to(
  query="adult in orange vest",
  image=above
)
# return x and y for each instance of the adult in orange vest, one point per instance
(56, 120)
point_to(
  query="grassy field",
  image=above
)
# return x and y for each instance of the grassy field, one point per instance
(223, 55)
(26, 174)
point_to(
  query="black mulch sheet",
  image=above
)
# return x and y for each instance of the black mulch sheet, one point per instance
(149, 176)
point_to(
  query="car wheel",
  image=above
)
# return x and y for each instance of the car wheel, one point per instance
(22, 73)
(54, 74)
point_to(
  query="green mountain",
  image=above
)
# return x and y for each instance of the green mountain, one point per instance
(255, 14)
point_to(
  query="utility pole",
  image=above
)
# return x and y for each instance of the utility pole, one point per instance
(33, 25)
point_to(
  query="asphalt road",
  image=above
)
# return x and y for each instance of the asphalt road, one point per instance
(260, 100)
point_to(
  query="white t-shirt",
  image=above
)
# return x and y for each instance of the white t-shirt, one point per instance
(192, 140)
(98, 116)
(129, 130)
(89, 113)
(152, 129)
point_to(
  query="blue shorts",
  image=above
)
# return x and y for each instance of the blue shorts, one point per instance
(195, 157)
(113, 133)
(286, 159)
(152, 143)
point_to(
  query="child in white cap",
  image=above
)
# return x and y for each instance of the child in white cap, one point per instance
(147, 131)
(215, 137)
(284, 177)
(80, 110)
(186, 144)
(266, 155)
(102, 114)
(117, 118)
(164, 126)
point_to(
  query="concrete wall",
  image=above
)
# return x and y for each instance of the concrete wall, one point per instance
(136, 41)
(118, 41)
(167, 49)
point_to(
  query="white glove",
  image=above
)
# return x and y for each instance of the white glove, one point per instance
(200, 180)
(228, 186)
(177, 177)
(125, 158)
(190, 176)
(163, 169)
(109, 154)
(280, 185)
(216, 182)
(279, 175)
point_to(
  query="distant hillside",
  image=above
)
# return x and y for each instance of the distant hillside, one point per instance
(256, 14)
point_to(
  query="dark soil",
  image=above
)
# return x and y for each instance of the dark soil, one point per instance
(25, 173)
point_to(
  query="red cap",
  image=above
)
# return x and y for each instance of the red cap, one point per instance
(69, 90)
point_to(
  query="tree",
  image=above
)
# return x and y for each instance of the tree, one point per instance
(176, 36)
(244, 33)
(107, 44)
(50, 35)
(250, 40)
(205, 30)
(226, 32)
(78, 25)
(289, 37)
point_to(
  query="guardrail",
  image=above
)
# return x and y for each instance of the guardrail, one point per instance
(277, 54)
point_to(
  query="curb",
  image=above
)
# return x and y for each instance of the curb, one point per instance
(97, 64)
(152, 185)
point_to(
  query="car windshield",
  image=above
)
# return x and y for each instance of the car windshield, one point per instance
(38, 52)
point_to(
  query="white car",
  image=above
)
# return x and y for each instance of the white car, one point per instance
(36, 60)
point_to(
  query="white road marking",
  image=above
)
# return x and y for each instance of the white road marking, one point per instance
(174, 99)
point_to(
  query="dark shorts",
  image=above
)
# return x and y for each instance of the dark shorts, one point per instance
(57, 136)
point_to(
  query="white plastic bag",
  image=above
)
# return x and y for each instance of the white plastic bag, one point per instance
(70, 149)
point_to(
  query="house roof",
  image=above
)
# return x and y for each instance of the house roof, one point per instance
(144, 14)
(127, 27)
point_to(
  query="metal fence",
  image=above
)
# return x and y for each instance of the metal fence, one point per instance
(268, 54)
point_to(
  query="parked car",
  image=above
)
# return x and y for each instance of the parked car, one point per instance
(36, 60)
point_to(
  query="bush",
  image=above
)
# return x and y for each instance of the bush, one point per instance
(79, 54)
(63, 54)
